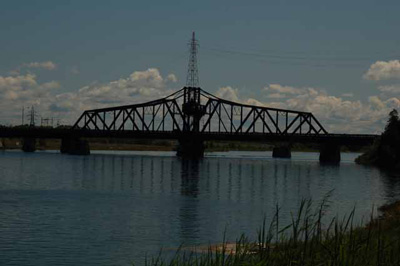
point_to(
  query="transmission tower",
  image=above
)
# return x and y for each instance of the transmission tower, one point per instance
(192, 79)
(31, 116)
(192, 107)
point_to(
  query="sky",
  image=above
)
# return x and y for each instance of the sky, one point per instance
(336, 59)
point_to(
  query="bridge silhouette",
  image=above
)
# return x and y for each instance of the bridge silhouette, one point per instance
(192, 116)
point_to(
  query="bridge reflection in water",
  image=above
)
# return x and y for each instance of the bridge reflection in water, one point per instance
(124, 206)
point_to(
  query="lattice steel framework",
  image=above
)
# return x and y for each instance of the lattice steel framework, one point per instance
(180, 112)
(192, 78)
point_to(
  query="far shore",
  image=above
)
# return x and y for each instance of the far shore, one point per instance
(166, 145)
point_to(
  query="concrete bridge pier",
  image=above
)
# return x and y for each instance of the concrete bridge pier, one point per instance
(190, 147)
(29, 144)
(281, 151)
(329, 153)
(75, 146)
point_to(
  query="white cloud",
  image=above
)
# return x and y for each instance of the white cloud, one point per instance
(24, 87)
(140, 85)
(390, 88)
(393, 103)
(51, 85)
(228, 93)
(382, 70)
(17, 83)
(251, 101)
(49, 65)
(22, 91)
(231, 94)
(277, 88)
(376, 102)
(276, 96)
(172, 78)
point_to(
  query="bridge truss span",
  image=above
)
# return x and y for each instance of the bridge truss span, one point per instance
(193, 110)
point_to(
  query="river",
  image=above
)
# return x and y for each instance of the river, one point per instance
(115, 208)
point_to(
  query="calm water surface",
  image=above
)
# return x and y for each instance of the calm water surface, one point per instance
(114, 208)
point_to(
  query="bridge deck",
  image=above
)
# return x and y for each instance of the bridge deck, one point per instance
(54, 133)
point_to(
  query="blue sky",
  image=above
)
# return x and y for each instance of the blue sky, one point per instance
(275, 52)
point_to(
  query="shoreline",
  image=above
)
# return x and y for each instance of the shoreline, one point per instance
(166, 145)
(388, 213)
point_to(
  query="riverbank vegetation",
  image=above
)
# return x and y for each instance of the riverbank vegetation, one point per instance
(385, 152)
(306, 241)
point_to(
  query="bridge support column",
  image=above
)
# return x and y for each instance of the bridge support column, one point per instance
(190, 148)
(281, 152)
(29, 144)
(329, 153)
(75, 146)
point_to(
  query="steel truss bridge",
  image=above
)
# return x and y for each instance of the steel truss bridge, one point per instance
(193, 110)
(192, 116)
(195, 113)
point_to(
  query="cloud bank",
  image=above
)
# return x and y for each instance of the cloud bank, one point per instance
(25, 90)
(49, 65)
(382, 70)
(338, 114)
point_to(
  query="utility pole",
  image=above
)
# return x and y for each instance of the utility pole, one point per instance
(23, 114)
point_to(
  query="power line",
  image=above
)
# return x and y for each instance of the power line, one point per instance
(335, 61)
(295, 63)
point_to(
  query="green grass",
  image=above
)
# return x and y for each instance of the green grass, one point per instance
(306, 241)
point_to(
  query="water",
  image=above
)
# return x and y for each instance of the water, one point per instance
(114, 208)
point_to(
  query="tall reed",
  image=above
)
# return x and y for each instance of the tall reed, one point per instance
(305, 241)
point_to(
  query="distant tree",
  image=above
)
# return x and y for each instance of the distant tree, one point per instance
(386, 151)
(393, 122)
(390, 148)
(391, 135)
